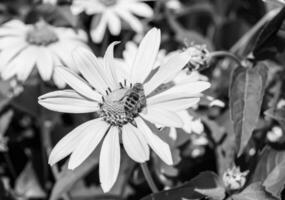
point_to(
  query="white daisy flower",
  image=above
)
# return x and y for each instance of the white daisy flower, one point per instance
(109, 13)
(124, 107)
(25, 46)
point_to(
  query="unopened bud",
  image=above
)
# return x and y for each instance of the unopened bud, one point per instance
(234, 179)
(199, 57)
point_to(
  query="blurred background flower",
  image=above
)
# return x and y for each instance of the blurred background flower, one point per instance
(40, 45)
(112, 14)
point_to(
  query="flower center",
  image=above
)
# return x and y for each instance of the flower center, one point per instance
(41, 34)
(123, 105)
(108, 3)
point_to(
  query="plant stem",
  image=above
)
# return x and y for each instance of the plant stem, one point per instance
(10, 165)
(149, 178)
(226, 54)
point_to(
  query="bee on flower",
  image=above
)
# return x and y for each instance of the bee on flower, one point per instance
(112, 14)
(124, 105)
(26, 46)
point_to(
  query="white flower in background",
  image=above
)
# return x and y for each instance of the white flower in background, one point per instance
(124, 106)
(281, 104)
(111, 14)
(234, 179)
(174, 5)
(275, 134)
(53, 2)
(24, 47)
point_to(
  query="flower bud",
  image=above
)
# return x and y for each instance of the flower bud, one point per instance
(234, 179)
(199, 57)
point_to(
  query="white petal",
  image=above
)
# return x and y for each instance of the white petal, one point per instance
(90, 68)
(79, 85)
(134, 23)
(109, 164)
(68, 101)
(45, 63)
(10, 53)
(70, 141)
(167, 71)
(92, 137)
(110, 67)
(140, 9)
(160, 147)
(98, 28)
(163, 117)
(63, 51)
(135, 143)
(146, 56)
(114, 23)
(21, 65)
(176, 104)
(189, 89)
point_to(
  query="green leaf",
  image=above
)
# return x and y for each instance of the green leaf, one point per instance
(268, 43)
(246, 94)
(27, 184)
(270, 171)
(205, 180)
(216, 193)
(67, 178)
(254, 191)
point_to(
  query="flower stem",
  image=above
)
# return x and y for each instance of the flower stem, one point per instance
(148, 177)
(226, 54)
(10, 165)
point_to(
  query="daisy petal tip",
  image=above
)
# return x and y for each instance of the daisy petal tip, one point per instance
(106, 187)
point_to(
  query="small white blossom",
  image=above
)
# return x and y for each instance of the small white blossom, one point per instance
(234, 179)
(111, 14)
(275, 134)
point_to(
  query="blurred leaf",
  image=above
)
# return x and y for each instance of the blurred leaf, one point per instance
(67, 178)
(216, 193)
(27, 184)
(270, 171)
(27, 101)
(277, 114)
(5, 121)
(205, 180)
(254, 191)
(55, 15)
(267, 43)
(5, 93)
(246, 94)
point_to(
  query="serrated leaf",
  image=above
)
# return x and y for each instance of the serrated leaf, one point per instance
(246, 95)
(205, 180)
(67, 178)
(254, 191)
(270, 171)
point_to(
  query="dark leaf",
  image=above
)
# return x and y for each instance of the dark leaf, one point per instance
(67, 178)
(204, 181)
(27, 184)
(246, 94)
(268, 43)
(270, 171)
(216, 193)
(254, 191)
